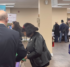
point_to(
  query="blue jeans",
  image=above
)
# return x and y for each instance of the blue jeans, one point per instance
(65, 35)
(56, 38)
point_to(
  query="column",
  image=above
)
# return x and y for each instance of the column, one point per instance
(46, 22)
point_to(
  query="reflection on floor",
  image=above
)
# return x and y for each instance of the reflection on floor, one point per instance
(60, 58)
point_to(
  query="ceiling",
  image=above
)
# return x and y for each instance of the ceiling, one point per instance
(34, 3)
(61, 3)
(22, 3)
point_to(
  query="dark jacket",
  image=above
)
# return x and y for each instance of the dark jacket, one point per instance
(56, 31)
(20, 33)
(62, 27)
(67, 28)
(38, 52)
(10, 44)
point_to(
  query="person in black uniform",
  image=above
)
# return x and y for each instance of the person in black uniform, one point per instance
(16, 26)
(38, 53)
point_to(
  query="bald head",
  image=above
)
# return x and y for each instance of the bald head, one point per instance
(3, 17)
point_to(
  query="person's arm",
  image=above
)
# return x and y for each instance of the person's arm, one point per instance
(20, 51)
(38, 48)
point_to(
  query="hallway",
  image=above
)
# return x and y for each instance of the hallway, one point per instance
(60, 58)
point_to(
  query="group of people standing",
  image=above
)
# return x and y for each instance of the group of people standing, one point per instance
(11, 44)
(61, 30)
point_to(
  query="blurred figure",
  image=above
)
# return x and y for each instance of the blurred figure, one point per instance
(16, 26)
(53, 28)
(10, 44)
(10, 27)
(67, 31)
(56, 31)
(38, 53)
(67, 24)
(63, 30)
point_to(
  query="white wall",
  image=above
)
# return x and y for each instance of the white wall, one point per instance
(59, 14)
(26, 15)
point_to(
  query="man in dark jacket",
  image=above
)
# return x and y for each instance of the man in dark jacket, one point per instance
(10, 44)
(63, 28)
(56, 31)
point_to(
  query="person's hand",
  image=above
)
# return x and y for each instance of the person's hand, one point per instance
(25, 57)
(22, 61)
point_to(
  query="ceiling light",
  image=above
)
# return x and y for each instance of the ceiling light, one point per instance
(7, 3)
(2, 4)
(63, 4)
(9, 6)
(56, 6)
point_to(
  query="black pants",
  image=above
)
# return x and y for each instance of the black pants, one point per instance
(67, 38)
(56, 38)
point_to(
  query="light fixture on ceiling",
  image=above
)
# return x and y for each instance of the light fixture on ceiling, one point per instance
(56, 6)
(9, 6)
(2, 4)
(63, 4)
(7, 3)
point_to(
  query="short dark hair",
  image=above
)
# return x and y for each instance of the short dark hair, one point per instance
(62, 21)
(16, 26)
(29, 28)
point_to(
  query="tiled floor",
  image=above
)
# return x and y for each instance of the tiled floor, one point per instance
(60, 58)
